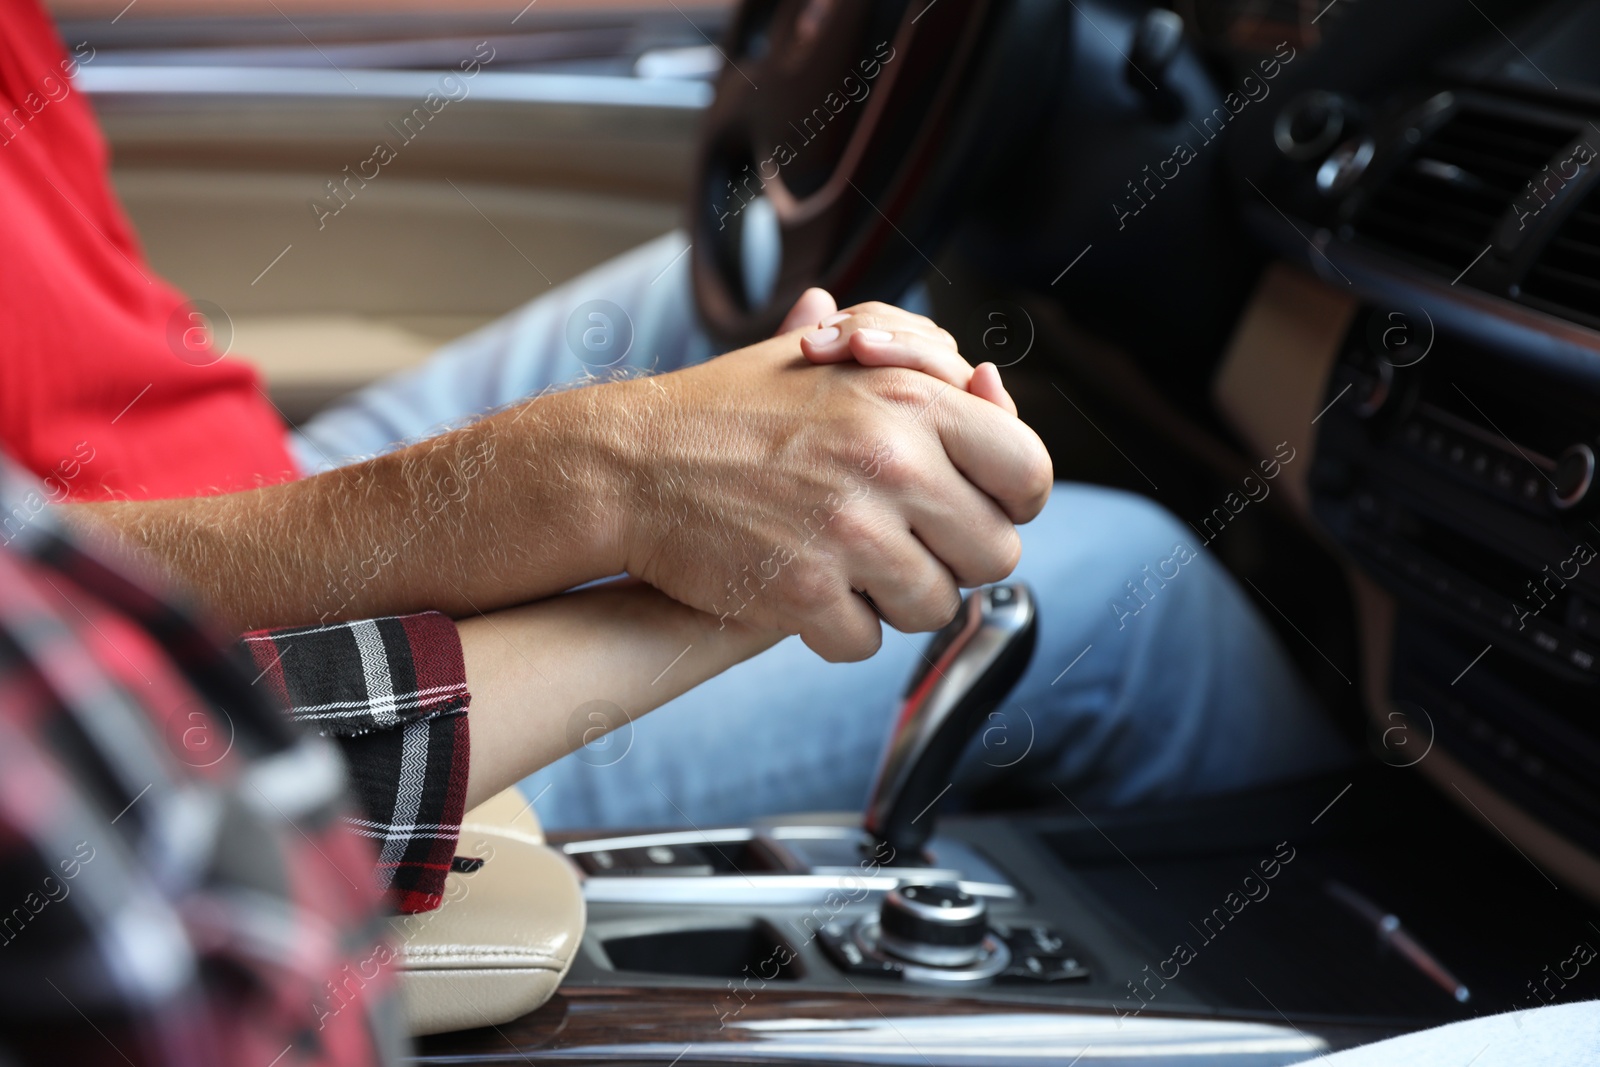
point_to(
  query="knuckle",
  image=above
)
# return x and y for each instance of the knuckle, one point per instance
(1034, 477)
(995, 556)
(863, 647)
(869, 320)
(900, 385)
(860, 532)
(846, 641)
(936, 606)
(1007, 553)
(812, 589)
(865, 644)
(1040, 476)
(893, 470)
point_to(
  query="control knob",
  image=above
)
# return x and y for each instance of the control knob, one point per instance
(934, 925)
(1573, 477)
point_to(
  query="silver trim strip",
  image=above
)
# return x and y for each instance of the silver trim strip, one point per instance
(412, 85)
(736, 836)
(802, 886)
(765, 890)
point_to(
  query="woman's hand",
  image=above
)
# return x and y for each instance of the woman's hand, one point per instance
(882, 335)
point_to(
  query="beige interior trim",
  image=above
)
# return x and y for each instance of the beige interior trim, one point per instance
(1271, 382)
(339, 350)
(506, 934)
(508, 812)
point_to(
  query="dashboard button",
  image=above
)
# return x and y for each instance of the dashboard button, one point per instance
(1584, 617)
(1546, 640)
(1309, 125)
(1040, 954)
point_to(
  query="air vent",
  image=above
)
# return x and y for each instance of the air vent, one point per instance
(1441, 206)
(1566, 275)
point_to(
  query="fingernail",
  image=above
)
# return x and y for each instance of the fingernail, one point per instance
(823, 337)
(834, 319)
(875, 336)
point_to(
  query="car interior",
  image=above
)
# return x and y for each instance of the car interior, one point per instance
(1353, 244)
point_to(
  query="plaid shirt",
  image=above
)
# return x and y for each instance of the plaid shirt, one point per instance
(393, 693)
(181, 880)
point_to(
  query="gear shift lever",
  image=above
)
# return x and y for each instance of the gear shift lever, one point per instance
(968, 668)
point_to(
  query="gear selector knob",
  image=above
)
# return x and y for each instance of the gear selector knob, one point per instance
(965, 672)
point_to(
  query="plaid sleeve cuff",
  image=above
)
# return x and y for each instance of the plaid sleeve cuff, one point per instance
(393, 692)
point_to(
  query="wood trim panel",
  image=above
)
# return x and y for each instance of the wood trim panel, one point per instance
(690, 1026)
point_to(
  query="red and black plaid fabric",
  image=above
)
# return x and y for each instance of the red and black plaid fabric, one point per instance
(181, 879)
(393, 693)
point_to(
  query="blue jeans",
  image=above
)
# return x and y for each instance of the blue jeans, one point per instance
(1189, 695)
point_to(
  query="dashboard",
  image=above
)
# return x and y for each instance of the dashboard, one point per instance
(1458, 203)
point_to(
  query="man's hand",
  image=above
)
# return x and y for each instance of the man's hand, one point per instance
(758, 487)
(772, 491)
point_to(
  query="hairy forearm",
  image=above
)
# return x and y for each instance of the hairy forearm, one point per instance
(516, 507)
(551, 677)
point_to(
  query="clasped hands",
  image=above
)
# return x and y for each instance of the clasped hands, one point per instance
(774, 496)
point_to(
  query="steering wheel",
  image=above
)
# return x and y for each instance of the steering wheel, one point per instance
(845, 137)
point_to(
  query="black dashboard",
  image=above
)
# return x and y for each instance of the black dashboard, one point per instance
(1460, 204)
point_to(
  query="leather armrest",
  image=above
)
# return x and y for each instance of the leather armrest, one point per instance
(507, 812)
(505, 935)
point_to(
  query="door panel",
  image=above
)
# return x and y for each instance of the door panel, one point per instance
(347, 219)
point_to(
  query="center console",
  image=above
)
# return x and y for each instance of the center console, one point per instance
(1454, 471)
(1256, 928)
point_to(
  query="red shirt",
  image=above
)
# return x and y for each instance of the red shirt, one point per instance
(106, 388)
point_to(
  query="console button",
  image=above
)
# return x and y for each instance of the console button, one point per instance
(1040, 954)
(1545, 640)
(1047, 969)
(1045, 939)
(657, 860)
(841, 946)
(1584, 617)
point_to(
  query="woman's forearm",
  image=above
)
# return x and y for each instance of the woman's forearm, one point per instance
(550, 677)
